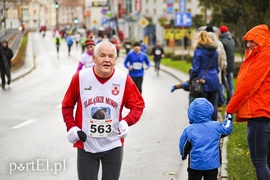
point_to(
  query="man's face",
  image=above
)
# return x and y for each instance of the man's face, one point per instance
(105, 60)
(137, 49)
(90, 48)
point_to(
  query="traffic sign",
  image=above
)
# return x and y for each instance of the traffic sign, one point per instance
(182, 19)
(143, 22)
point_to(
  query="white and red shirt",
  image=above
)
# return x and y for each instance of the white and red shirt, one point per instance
(99, 106)
(87, 60)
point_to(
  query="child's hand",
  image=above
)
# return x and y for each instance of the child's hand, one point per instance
(229, 116)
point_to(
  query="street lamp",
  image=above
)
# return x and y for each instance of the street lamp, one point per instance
(56, 7)
(76, 20)
(4, 13)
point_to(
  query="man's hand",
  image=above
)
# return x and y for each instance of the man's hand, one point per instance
(72, 134)
(123, 128)
(130, 68)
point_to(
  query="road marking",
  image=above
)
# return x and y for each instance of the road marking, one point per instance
(23, 124)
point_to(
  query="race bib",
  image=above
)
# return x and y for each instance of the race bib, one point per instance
(137, 65)
(128, 46)
(157, 52)
(100, 128)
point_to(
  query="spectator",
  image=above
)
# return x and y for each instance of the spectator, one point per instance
(222, 64)
(229, 46)
(8, 53)
(206, 55)
(4, 68)
(251, 100)
(201, 140)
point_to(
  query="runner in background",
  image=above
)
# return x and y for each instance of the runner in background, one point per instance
(86, 59)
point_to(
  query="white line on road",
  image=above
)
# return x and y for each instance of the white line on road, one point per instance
(23, 124)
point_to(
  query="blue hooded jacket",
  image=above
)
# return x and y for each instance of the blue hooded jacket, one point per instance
(204, 135)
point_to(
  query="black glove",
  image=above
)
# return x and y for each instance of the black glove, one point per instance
(82, 136)
(184, 158)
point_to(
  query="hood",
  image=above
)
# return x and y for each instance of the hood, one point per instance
(226, 35)
(259, 34)
(200, 110)
(208, 49)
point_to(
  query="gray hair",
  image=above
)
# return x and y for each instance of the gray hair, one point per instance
(213, 37)
(104, 43)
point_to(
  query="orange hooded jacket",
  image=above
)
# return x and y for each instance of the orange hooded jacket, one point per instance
(252, 95)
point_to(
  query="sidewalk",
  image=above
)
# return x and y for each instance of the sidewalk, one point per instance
(178, 75)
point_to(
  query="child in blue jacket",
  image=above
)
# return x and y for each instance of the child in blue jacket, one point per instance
(201, 140)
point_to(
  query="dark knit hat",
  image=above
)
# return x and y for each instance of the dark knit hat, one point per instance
(209, 28)
(89, 42)
(223, 29)
(137, 44)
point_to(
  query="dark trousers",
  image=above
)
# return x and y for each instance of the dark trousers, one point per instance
(88, 164)
(258, 136)
(138, 81)
(207, 174)
(3, 74)
(69, 49)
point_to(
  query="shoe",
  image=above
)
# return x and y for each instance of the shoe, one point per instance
(8, 82)
(3, 86)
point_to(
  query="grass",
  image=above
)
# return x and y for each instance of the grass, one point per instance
(239, 166)
(19, 60)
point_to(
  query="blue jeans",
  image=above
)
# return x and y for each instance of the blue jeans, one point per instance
(229, 76)
(258, 135)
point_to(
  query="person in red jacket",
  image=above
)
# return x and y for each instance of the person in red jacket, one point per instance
(251, 100)
(116, 41)
(98, 128)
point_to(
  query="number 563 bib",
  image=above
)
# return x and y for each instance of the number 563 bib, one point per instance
(100, 128)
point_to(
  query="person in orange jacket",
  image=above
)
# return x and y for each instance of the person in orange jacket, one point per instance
(251, 100)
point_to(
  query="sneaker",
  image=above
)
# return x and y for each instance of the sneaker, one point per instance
(3, 86)
(8, 82)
